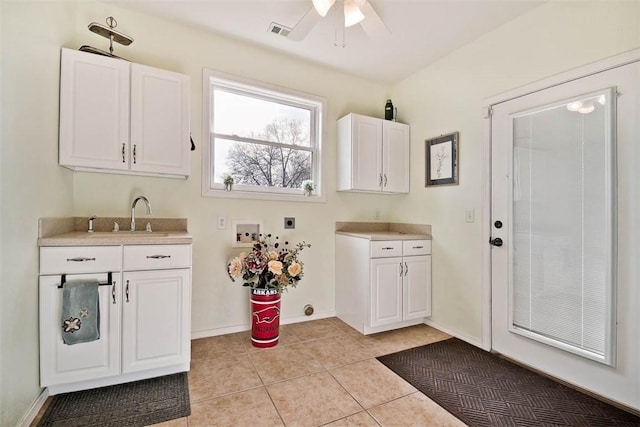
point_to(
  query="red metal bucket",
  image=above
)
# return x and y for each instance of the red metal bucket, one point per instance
(265, 317)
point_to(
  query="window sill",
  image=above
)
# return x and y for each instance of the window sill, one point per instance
(255, 195)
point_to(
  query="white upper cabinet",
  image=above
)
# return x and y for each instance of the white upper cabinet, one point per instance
(120, 117)
(94, 111)
(159, 121)
(395, 149)
(373, 155)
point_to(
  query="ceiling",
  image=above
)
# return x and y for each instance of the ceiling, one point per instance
(422, 31)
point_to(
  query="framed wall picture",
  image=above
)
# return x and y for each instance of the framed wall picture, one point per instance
(246, 233)
(441, 166)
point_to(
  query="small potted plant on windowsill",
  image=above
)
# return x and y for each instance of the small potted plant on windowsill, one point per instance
(227, 180)
(308, 186)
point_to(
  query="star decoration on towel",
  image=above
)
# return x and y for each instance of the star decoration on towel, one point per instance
(72, 324)
(84, 313)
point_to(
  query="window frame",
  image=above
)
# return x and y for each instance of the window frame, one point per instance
(264, 91)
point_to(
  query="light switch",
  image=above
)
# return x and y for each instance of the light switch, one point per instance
(222, 223)
(470, 215)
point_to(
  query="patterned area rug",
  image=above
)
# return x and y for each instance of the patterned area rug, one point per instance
(139, 403)
(481, 389)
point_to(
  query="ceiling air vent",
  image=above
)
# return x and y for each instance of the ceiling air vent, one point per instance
(279, 29)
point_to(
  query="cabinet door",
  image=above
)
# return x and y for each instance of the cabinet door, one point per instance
(366, 139)
(61, 363)
(94, 111)
(395, 148)
(386, 291)
(159, 121)
(417, 287)
(156, 319)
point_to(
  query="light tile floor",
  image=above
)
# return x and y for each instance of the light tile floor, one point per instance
(322, 372)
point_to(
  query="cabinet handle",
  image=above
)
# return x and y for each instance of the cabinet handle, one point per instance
(113, 292)
(380, 183)
(126, 291)
(406, 268)
(387, 248)
(158, 256)
(123, 153)
(134, 154)
(418, 247)
(385, 179)
(400, 268)
(80, 259)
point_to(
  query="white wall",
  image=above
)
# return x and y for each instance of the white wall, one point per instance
(32, 185)
(448, 96)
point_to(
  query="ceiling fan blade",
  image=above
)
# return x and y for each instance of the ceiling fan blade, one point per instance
(306, 23)
(372, 24)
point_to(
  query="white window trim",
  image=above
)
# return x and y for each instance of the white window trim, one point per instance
(212, 189)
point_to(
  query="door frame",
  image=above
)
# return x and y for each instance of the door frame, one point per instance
(555, 80)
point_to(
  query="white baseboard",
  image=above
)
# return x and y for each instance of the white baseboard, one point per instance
(246, 326)
(35, 407)
(459, 335)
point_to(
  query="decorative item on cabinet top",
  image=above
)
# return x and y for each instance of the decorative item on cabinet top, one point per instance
(110, 33)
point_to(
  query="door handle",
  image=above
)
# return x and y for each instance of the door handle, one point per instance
(496, 242)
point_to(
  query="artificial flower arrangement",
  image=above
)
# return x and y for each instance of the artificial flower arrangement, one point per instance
(269, 265)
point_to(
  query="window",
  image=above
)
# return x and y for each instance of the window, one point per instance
(267, 138)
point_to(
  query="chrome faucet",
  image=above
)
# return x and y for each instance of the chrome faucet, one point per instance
(133, 210)
(90, 228)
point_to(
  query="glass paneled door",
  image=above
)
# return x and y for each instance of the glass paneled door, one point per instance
(557, 207)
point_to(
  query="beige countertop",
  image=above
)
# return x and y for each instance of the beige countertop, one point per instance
(386, 235)
(72, 232)
(384, 230)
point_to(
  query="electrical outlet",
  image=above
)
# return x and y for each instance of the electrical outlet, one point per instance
(289, 222)
(222, 223)
(470, 215)
(377, 214)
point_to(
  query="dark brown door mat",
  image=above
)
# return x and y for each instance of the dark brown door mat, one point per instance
(482, 389)
(139, 403)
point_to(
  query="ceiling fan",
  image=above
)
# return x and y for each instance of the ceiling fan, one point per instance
(355, 12)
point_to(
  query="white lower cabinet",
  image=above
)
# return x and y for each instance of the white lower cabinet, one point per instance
(145, 316)
(378, 288)
(61, 363)
(156, 313)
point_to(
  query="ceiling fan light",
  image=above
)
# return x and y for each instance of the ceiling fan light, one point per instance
(323, 6)
(352, 14)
